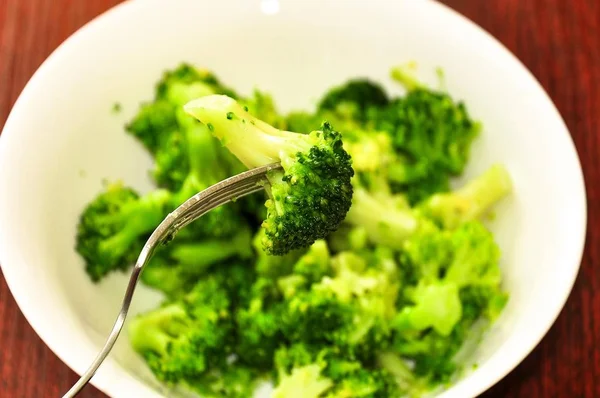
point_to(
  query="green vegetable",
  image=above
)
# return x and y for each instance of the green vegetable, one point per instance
(177, 267)
(310, 197)
(181, 339)
(365, 275)
(115, 224)
(112, 228)
(389, 221)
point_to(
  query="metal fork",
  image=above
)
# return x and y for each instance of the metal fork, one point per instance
(223, 192)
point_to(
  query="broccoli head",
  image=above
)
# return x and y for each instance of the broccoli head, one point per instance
(433, 134)
(258, 324)
(307, 371)
(457, 282)
(113, 227)
(230, 381)
(311, 196)
(161, 124)
(183, 338)
(355, 97)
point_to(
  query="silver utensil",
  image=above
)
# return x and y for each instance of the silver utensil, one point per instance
(223, 192)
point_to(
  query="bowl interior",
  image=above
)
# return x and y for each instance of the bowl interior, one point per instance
(62, 141)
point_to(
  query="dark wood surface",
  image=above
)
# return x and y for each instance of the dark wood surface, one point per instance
(558, 40)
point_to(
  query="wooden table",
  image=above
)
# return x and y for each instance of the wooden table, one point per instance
(558, 40)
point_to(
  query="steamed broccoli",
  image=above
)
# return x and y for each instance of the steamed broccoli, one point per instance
(306, 371)
(457, 279)
(183, 338)
(230, 381)
(369, 277)
(114, 226)
(348, 107)
(258, 324)
(355, 97)
(161, 124)
(389, 220)
(310, 197)
(178, 266)
(433, 134)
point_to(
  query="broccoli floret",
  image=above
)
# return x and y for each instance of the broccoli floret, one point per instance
(309, 269)
(315, 263)
(178, 266)
(354, 97)
(458, 278)
(433, 134)
(154, 122)
(369, 284)
(302, 382)
(113, 225)
(342, 377)
(318, 307)
(258, 324)
(161, 124)
(471, 201)
(269, 265)
(112, 228)
(352, 306)
(389, 221)
(446, 262)
(186, 73)
(232, 381)
(310, 197)
(183, 338)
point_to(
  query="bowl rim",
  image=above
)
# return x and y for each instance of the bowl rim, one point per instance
(108, 386)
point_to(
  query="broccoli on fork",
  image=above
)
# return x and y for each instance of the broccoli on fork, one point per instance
(311, 196)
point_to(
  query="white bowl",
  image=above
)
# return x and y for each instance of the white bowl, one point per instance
(61, 140)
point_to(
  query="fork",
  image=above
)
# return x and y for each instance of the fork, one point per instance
(195, 207)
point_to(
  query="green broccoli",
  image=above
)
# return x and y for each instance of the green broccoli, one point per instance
(355, 97)
(433, 134)
(364, 275)
(310, 197)
(470, 202)
(389, 221)
(183, 338)
(258, 324)
(458, 282)
(113, 227)
(305, 371)
(176, 267)
(160, 124)
(231, 381)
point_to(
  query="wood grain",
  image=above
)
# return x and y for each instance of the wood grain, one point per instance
(558, 40)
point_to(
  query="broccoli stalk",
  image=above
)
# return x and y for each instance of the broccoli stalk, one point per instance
(471, 201)
(389, 222)
(311, 196)
(303, 382)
